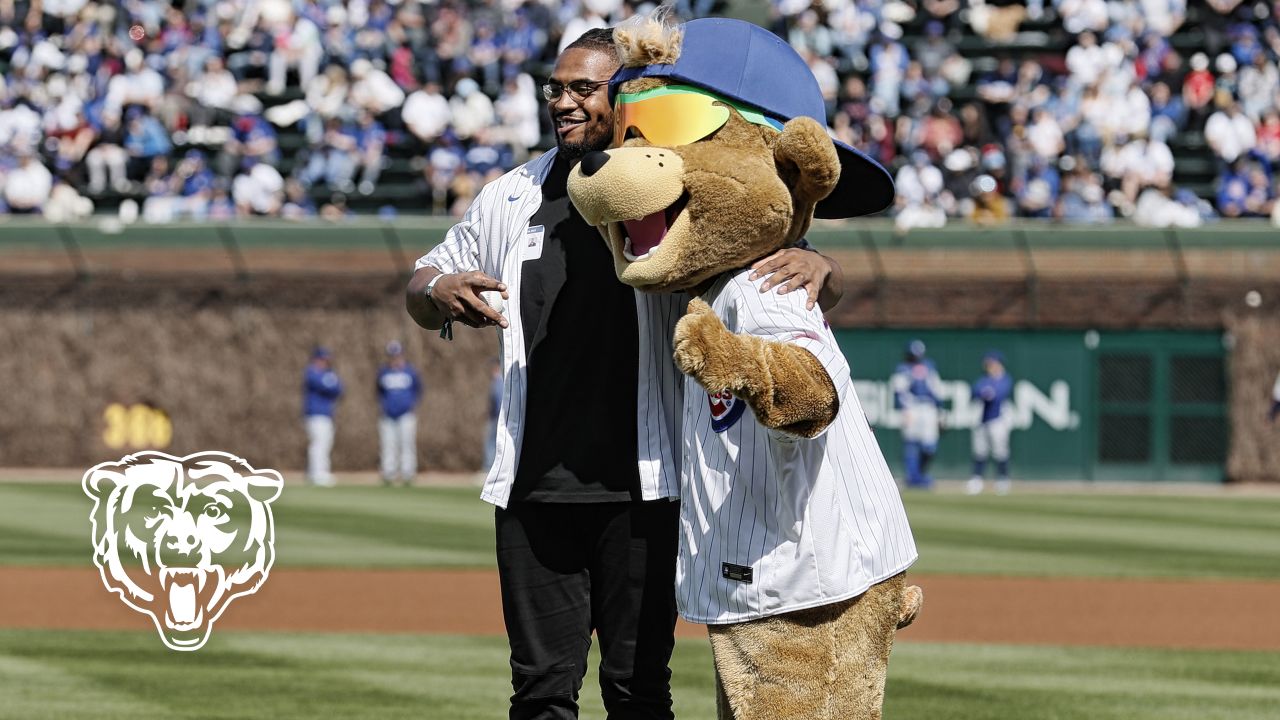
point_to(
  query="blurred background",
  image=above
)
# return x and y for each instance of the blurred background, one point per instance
(197, 192)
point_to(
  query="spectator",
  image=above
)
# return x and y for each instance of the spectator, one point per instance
(371, 141)
(138, 85)
(28, 186)
(297, 204)
(1039, 192)
(888, 67)
(259, 191)
(1085, 202)
(1198, 89)
(990, 207)
(1269, 138)
(214, 92)
(426, 112)
(1045, 136)
(996, 20)
(1230, 133)
(517, 111)
(470, 109)
(1168, 113)
(297, 45)
(1259, 85)
(1155, 208)
(144, 141)
(326, 98)
(334, 160)
(373, 89)
(252, 139)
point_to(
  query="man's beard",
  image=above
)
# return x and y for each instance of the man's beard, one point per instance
(575, 151)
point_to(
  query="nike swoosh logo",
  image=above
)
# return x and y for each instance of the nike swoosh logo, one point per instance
(513, 198)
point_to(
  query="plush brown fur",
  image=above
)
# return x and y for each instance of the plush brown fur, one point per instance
(742, 193)
(784, 385)
(764, 667)
(647, 39)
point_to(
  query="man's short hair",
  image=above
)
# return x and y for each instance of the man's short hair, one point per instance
(600, 39)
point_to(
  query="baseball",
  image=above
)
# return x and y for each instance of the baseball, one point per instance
(1253, 298)
(494, 299)
(137, 32)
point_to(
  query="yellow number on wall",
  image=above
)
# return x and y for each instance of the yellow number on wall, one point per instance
(137, 426)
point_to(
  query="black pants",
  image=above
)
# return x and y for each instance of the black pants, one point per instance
(569, 569)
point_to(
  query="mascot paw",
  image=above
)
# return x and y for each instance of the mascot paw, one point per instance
(702, 343)
(912, 601)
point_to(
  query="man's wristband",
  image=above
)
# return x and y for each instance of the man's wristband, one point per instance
(431, 285)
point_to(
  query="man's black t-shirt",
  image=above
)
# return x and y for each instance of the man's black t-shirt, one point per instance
(582, 351)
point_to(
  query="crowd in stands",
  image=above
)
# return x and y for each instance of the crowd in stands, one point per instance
(212, 109)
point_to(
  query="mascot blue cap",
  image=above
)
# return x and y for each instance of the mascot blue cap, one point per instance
(746, 63)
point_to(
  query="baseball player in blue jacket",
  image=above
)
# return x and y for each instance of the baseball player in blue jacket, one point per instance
(321, 389)
(991, 434)
(399, 390)
(917, 395)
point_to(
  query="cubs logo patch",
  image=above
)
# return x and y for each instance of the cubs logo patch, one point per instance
(179, 538)
(725, 410)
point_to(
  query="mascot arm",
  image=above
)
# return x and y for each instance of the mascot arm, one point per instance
(786, 387)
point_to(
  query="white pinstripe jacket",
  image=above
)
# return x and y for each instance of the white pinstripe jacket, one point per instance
(493, 238)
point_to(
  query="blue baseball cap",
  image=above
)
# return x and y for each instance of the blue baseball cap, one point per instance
(394, 348)
(915, 348)
(993, 355)
(748, 64)
(321, 353)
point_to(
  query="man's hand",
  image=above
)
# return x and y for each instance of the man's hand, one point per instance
(793, 268)
(455, 296)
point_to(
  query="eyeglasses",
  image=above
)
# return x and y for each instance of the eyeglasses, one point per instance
(578, 89)
(677, 115)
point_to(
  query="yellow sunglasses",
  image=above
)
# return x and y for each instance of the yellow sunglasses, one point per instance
(677, 115)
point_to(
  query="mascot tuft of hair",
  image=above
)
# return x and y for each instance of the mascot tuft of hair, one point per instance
(794, 541)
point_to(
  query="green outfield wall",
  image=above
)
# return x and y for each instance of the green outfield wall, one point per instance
(1086, 405)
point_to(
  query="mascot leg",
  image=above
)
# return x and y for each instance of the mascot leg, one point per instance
(824, 663)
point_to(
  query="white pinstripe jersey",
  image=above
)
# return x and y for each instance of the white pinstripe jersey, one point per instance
(807, 521)
(494, 237)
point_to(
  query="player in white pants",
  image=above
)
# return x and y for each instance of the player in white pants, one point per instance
(991, 434)
(321, 389)
(399, 389)
(917, 394)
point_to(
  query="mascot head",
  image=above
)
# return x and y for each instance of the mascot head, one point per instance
(721, 154)
(179, 538)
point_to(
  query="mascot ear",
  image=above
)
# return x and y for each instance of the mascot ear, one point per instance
(807, 163)
(265, 486)
(100, 481)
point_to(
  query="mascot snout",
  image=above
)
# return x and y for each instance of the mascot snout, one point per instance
(626, 184)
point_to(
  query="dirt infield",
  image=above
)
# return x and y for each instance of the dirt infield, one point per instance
(1177, 613)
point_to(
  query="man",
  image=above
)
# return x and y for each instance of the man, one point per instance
(321, 389)
(399, 390)
(991, 434)
(917, 393)
(585, 470)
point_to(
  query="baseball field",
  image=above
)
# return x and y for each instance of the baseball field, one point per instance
(383, 604)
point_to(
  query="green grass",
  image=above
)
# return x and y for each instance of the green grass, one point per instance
(1086, 535)
(104, 675)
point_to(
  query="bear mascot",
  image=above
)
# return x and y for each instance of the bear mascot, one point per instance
(794, 541)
